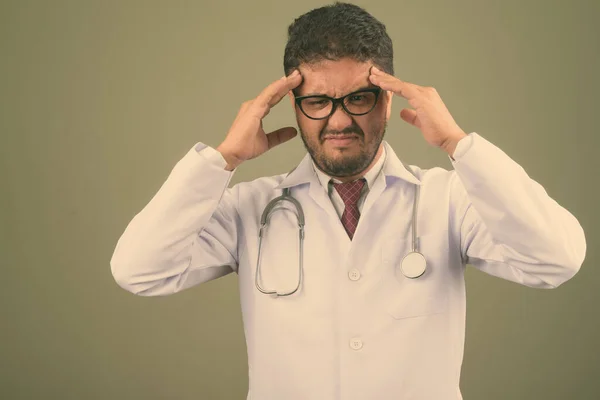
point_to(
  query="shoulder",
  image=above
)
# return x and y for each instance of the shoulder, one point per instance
(433, 176)
(258, 190)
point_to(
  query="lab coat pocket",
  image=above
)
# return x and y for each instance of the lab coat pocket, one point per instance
(415, 297)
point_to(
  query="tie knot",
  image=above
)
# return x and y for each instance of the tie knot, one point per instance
(350, 191)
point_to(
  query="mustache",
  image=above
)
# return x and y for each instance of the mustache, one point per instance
(348, 131)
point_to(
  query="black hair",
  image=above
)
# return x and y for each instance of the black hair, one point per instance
(332, 32)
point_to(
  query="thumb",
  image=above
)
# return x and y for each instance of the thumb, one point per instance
(280, 136)
(409, 116)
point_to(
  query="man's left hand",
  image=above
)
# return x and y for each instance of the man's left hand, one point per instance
(430, 114)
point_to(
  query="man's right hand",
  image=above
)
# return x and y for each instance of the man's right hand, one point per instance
(246, 138)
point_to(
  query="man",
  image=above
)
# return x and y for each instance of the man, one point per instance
(347, 321)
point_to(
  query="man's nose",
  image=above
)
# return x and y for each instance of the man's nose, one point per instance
(340, 119)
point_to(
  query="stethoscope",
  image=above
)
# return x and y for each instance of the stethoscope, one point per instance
(413, 264)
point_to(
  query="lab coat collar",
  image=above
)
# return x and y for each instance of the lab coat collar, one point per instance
(304, 172)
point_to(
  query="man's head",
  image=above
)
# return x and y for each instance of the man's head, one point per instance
(334, 47)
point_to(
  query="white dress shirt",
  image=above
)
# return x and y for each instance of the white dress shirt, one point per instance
(357, 328)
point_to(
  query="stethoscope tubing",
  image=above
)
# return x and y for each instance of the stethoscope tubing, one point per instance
(417, 260)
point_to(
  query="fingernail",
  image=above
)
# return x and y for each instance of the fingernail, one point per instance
(296, 72)
(375, 68)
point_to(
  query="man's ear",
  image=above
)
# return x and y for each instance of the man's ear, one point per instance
(292, 99)
(388, 111)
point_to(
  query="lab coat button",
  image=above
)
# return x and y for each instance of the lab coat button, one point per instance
(354, 274)
(356, 344)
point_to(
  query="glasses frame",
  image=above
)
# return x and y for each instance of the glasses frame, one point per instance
(339, 100)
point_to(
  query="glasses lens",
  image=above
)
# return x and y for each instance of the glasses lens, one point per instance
(316, 107)
(360, 103)
(356, 103)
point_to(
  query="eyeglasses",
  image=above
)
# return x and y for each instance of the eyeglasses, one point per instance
(356, 103)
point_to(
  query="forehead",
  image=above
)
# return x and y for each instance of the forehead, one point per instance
(334, 78)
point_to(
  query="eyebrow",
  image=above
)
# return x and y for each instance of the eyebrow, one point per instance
(354, 91)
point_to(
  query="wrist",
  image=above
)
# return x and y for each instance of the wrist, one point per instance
(232, 161)
(450, 144)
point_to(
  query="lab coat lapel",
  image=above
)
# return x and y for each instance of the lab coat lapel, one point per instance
(304, 173)
(393, 169)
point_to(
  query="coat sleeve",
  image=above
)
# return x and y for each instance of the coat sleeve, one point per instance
(186, 234)
(509, 226)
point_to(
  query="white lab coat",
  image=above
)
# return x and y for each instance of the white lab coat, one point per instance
(357, 329)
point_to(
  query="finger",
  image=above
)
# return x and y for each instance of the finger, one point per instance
(290, 82)
(390, 82)
(277, 90)
(280, 136)
(407, 90)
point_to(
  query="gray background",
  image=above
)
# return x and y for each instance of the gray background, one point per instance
(100, 99)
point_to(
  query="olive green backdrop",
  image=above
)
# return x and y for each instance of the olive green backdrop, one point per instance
(100, 99)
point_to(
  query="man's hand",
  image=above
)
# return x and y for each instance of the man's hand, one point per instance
(430, 114)
(246, 138)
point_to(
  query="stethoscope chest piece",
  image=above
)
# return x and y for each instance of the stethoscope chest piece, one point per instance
(413, 265)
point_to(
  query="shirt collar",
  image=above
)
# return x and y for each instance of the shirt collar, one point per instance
(389, 164)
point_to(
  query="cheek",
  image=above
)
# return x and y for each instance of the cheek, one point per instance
(311, 129)
(312, 126)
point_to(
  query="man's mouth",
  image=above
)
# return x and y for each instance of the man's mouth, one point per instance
(341, 140)
(339, 137)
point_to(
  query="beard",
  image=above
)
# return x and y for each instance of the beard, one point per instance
(348, 161)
